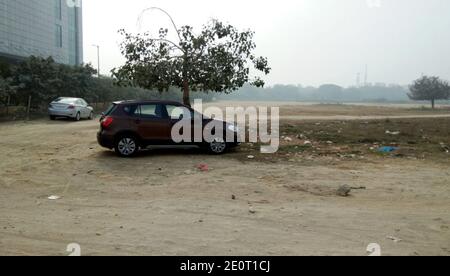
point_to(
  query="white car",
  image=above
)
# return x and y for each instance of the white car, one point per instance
(73, 108)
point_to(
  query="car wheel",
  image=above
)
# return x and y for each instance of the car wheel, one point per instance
(126, 146)
(218, 146)
(91, 116)
(78, 117)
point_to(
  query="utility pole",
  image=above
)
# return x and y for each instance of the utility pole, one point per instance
(98, 59)
(366, 76)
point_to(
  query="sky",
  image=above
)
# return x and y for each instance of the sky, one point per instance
(307, 42)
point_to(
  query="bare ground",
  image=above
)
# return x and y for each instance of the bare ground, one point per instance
(160, 204)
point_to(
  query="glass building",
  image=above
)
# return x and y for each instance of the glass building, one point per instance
(42, 28)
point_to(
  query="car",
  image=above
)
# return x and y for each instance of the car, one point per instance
(73, 108)
(129, 126)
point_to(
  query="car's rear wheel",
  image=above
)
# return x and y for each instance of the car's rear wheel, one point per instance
(218, 146)
(126, 146)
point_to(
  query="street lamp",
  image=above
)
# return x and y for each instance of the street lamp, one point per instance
(98, 58)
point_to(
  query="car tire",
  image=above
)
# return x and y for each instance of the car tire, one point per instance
(218, 146)
(126, 146)
(91, 116)
(77, 117)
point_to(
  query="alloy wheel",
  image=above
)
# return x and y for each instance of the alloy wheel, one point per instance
(127, 146)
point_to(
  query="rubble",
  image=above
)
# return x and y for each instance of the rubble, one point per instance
(445, 148)
(394, 239)
(392, 132)
(344, 191)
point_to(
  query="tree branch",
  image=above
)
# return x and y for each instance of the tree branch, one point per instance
(168, 41)
(166, 13)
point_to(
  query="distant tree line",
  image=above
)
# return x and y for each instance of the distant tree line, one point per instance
(325, 93)
(425, 89)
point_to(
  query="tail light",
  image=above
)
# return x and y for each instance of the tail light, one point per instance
(71, 107)
(106, 122)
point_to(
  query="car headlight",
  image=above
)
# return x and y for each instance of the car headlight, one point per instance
(233, 128)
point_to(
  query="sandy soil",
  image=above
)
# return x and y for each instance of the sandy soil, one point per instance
(160, 204)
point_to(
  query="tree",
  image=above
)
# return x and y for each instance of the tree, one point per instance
(429, 89)
(217, 59)
(6, 89)
(44, 80)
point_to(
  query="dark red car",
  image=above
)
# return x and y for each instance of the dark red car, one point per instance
(129, 126)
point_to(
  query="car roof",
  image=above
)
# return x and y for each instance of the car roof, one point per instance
(148, 102)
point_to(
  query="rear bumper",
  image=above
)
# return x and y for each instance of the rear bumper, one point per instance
(62, 113)
(105, 140)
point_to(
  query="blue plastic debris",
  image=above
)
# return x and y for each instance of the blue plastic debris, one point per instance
(387, 149)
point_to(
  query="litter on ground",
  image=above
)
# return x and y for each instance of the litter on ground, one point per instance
(387, 149)
(203, 167)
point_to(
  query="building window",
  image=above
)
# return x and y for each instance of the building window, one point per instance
(58, 36)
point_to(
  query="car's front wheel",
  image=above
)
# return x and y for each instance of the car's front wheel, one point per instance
(126, 146)
(91, 116)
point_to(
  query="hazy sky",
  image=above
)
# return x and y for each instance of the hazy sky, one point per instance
(308, 42)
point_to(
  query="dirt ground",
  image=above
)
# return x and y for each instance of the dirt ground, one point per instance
(159, 203)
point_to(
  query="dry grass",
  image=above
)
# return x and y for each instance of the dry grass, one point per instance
(424, 138)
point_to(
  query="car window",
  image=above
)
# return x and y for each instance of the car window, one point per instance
(131, 110)
(175, 112)
(150, 111)
(109, 110)
(83, 102)
(65, 100)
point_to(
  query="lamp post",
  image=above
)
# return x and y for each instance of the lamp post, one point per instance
(98, 59)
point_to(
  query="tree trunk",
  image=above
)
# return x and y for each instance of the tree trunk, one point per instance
(28, 108)
(8, 102)
(432, 103)
(186, 97)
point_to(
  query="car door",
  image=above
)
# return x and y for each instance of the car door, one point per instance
(86, 108)
(152, 124)
(84, 111)
(79, 107)
(176, 113)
